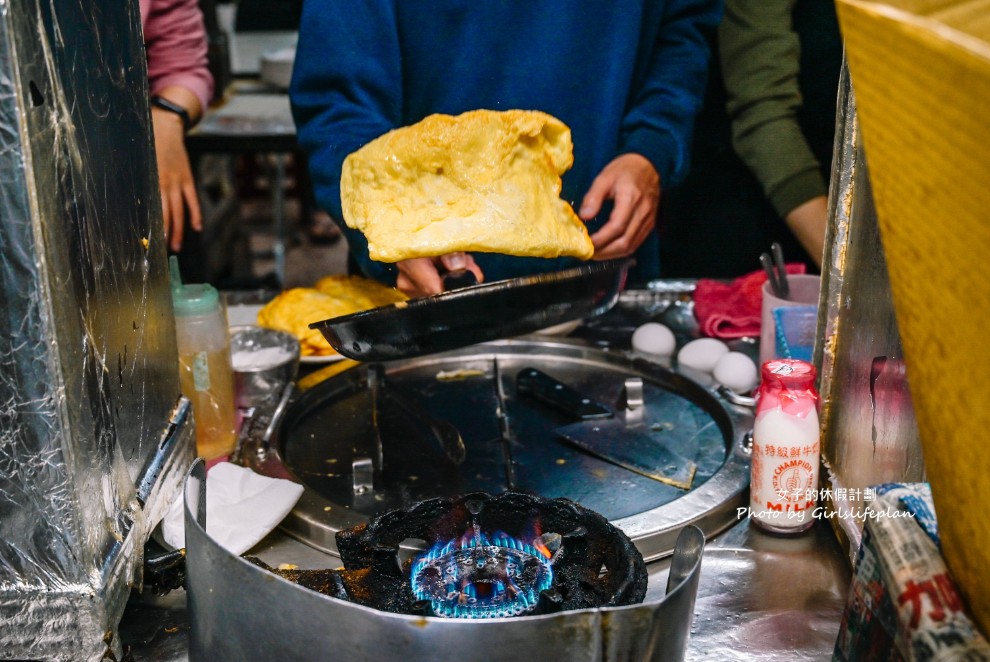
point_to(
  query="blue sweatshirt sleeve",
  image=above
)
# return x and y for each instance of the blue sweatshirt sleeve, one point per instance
(346, 91)
(660, 119)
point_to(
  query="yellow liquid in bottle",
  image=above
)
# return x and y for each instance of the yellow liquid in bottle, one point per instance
(208, 382)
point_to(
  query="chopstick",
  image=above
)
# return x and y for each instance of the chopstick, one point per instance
(776, 271)
(768, 267)
(778, 258)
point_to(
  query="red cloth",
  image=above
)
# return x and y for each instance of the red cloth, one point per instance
(732, 310)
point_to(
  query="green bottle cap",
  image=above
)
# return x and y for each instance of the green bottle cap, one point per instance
(193, 299)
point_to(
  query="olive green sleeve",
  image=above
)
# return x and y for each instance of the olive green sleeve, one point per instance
(759, 54)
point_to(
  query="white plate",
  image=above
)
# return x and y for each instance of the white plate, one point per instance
(243, 314)
(247, 315)
(332, 358)
(561, 329)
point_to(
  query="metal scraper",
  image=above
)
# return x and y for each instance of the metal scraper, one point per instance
(611, 437)
(631, 448)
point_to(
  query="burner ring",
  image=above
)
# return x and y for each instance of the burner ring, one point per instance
(487, 557)
(594, 564)
(495, 578)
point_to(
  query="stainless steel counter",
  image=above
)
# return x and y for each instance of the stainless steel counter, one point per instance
(761, 597)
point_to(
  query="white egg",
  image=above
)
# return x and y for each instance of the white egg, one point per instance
(737, 371)
(702, 354)
(653, 338)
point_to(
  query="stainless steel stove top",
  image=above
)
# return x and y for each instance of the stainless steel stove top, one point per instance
(511, 440)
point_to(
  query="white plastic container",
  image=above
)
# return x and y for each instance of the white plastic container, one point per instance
(205, 373)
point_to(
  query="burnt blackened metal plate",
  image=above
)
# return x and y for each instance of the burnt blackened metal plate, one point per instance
(488, 557)
(339, 426)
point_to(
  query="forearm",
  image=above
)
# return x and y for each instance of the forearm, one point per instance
(176, 45)
(759, 54)
(175, 179)
(808, 222)
(660, 120)
(347, 82)
(183, 97)
(346, 90)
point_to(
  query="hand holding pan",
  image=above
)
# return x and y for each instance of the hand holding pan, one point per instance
(477, 313)
(426, 276)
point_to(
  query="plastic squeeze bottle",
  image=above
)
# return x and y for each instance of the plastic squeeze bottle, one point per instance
(205, 373)
(786, 448)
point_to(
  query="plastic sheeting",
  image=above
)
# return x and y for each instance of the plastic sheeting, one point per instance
(88, 377)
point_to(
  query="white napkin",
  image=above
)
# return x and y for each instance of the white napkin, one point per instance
(242, 507)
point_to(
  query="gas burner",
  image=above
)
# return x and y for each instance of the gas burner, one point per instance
(484, 577)
(487, 557)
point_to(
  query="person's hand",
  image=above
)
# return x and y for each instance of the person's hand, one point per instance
(421, 276)
(174, 177)
(633, 184)
(808, 221)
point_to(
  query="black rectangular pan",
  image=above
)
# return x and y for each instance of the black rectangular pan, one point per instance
(478, 313)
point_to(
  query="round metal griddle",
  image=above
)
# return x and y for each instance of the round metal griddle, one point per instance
(331, 433)
(478, 313)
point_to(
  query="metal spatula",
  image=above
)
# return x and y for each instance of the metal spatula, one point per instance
(630, 448)
(605, 435)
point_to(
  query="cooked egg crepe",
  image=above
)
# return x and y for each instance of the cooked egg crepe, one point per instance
(333, 296)
(363, 293)
(484, 181)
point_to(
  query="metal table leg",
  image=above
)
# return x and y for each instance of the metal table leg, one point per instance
(278, 216)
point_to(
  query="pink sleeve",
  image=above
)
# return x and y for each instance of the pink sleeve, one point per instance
(175, 41)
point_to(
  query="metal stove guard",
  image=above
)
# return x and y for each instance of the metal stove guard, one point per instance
(93, 435)
(239, 611)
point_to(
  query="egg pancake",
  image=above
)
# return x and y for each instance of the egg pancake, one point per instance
(333, 296)
(486, 181)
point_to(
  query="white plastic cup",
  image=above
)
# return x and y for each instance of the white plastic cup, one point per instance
(804, 290)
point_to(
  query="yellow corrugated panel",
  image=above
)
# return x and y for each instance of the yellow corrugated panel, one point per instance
(921, 75)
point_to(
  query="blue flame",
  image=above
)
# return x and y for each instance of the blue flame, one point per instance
(482, 576)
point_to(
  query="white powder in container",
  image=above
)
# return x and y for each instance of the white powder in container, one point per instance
(259, 359)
